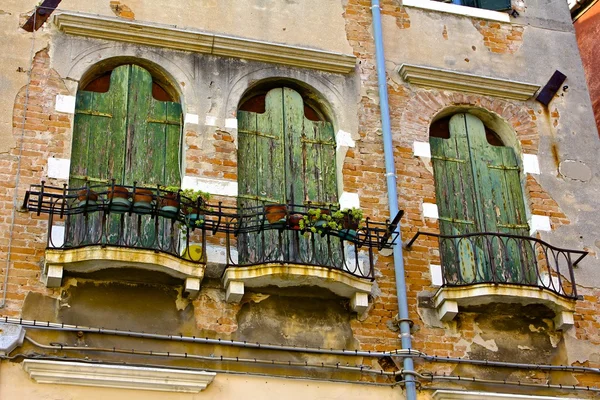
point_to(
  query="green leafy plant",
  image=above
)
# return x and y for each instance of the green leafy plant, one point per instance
(349, 218)
(190, 198)
(194, 195)
(318, 220)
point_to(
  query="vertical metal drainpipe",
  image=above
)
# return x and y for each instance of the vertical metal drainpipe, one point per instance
(390, 169)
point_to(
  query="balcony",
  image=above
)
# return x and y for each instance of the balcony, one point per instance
(486, 267)
(93, 228)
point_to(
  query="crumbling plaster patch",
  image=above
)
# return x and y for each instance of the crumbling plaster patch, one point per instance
(16, 49)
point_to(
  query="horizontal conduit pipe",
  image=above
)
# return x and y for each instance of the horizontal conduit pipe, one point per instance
(53, 326)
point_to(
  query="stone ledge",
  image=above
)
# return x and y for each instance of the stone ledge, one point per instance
(168, 36)
(95, 258)
(447, 300)
(289, 275)
(118, 376)
(463, 82)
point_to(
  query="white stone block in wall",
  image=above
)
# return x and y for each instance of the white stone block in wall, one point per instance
(212, 186)
(531, 164)
(191, 119)
(65, 104)
(436, 275)
(421, 149)
(430, 210)
(57, 236)
(231, 123)
(59, 168)
(234, 291)
(349, 200)
(344, 139)
(210, 121)
(540, 223)
(218, 254)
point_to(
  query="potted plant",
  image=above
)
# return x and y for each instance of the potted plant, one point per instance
(350, 220)
(118, 197)
(193, 204)
(142, 199)
(276, 213)
(318, 220)
(294, 221)
(86, 197)
(169, 201)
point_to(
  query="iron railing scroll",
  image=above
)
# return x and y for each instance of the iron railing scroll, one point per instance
(106, 214)
(499, 258)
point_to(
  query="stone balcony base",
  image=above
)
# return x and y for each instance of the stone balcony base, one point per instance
(235, 279)
(96, 258)
(448, 300)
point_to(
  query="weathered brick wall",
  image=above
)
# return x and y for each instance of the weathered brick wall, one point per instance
(43, 133)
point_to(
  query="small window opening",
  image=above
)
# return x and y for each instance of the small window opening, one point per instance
(101, 84)
(441, 129)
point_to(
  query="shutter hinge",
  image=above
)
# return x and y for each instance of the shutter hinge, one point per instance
(458, 160)
(456, 221)
(163, 121)
(257, 133)
(313, 141)
(87, 178)
(259, 198)
(513, 226)
(503, 167)
(94, 113)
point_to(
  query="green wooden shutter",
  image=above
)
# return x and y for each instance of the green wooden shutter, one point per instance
(283, 158)
(126, 134)
(498, 5)
(261, 174)
(99, 132)
(498, 188)
(478, 190)
(153, 134)
(457, 204)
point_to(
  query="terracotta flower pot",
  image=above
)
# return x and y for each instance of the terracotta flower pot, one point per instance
(87, 195)
(169, 205)
(143, 195)
(275, 213)
(294, 221)
(118, 197)
(118, 192)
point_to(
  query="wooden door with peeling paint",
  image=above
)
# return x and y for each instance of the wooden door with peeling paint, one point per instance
(127, 135)
(283, 157)
(478, 189)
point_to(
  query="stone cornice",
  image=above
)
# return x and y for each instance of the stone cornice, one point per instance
(463, 82)
(167, 36)
(118, 376)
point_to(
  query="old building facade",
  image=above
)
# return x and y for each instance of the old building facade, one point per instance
(161, 293)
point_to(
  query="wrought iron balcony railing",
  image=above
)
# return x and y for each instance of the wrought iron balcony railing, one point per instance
(159, 220)
(488, 257)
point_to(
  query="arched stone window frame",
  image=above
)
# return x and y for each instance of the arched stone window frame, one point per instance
(334, 98)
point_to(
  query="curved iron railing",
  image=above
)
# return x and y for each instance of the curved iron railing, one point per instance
(169, 222)
(490, 257)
